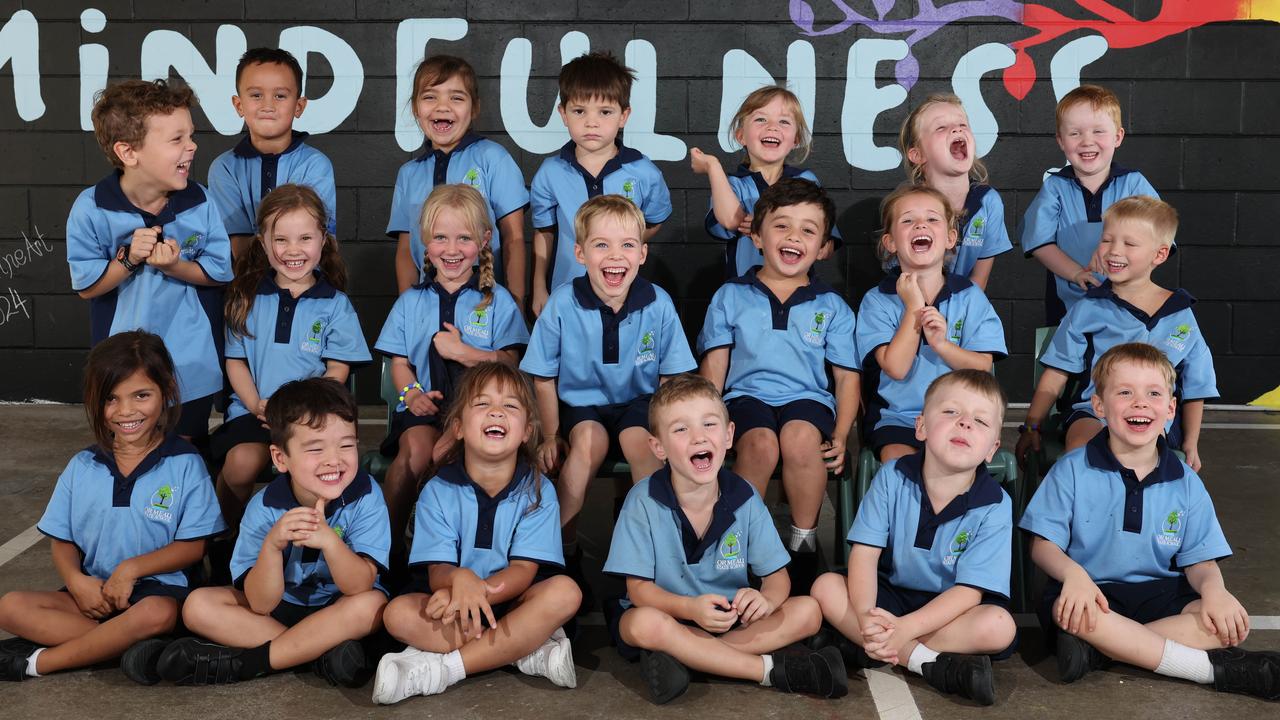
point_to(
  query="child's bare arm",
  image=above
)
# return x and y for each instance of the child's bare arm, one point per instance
(515, 579)
(650, 231)
(1192, 418)
(544, 246)
(715, 366)
(1220, 611)
(177, 555)
(1048, 390)
(1077, 606)
(725, 204)
(647, 593)
(511, 230)
(863, 563)
(939, 612)
(242, 382)
(776, 587)
(85, 589)
(406, 266)
(337, 370)
(1061, 264)
(981, 272)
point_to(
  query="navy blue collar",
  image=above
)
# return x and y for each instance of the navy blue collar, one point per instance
(1099, 456)
(984, 491)
(108, 195)
(743, 171)
(1178, 301)
(802, 294)
(1116, 171)
(322, 288)
(279, 493)
(639, 296)
(734, 492)
(468, 139)
(472, 283)
(245, 148)
(568, 153)
(952, 284)
(973, 202)
(122, 486)
(456, 473)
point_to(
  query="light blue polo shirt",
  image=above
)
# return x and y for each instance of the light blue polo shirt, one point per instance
(421, 312)
(479, 162)
(358, 516)
(1065, 213)
(982, 231)
(972, 324)
(186, 317)
(1120, 528)
(778, 351)
(968, 542)
(292, 338)
(740, 254)
(1101, 320)
(458, 523)
(561, 186)
(112, 518)
(654, 540)
(240, 177)
(601, 357)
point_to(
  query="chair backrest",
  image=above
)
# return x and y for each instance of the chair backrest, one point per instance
(388, 391)
(1043, 336)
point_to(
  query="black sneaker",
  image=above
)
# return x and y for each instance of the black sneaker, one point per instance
(803, 570)
(139, 662)
(573, 568)
(13, 667)
(1246, 672)
(18, 646)
(820, 673)
(666, 677)
(964, 675)
(855, 658)
(194, 662)
(1076, 658)
(343, 665)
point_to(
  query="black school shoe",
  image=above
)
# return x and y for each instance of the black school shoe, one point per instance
(344, 665)
(855, 658)
(139, 662)
(1246, 672)
(13, 666)
(1076, 658)
(190, 661)
(820, 673)
(964, 675)
(666, 677)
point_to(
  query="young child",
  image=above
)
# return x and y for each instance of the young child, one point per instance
(487, 526)
(1128, 537)
(307, 560)
(287, 319)
(599, 350)
(686, 538)
(768, 339)
(269, 98)
(595, 102)
(1137, 234)
(1064, 221)
(941, 527)
(146, 246)
(457, 318)
(769, 126)
(127, 517)
(938, 150)
(921, 321)
(446, 100)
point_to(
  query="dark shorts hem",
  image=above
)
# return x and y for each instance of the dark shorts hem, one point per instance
(1142, 602)
(401, 421)
(886, 435)
(193, 421)
(289, 614)
(748, 413)
(1075, 416)
(900, 601)
(146, 588)
(614, 418)
(241, 430)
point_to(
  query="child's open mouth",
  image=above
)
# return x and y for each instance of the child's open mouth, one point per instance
(129, 427)
(960, 149)
(701, 461)
(451, 264)
(614, 277)
(790, 255)
(495, 432)
(1140, 424)
(1115, 267)
(329, 478)
(1088, 156)
(772, 143)
(184, 167)
(921, 243)
(442, 126)
(295, 264)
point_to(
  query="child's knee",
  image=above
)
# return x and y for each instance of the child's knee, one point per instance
(199, 606)
(646, 628)
(589, 441)
(995, 627)
(12, 606)
(759, 443)
(807, 613)
(562, 593)
(154, 615)
(403, 613)
(362, 608)
(831, 593)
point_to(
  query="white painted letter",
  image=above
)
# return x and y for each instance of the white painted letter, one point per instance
(863, 101)
(326, 113)
(639, 134)
(20, 45)
(1066, 64)
(94, 59)
(411, 41)
(965, 82)
(743, 75)
(164, 49)
(517, 62)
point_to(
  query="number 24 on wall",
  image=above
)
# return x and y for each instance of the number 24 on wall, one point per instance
(11, 303)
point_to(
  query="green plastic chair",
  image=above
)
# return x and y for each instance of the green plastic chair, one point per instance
(373, 461)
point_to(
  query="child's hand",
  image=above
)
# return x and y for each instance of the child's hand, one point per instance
(436, 604)
(934, 326)
(295, 525)
(744, 227)
(909, 291)
(713, 613)
(87, 592)
(549, 455)
(323, 537)
(1086, 279)
(1028, 440)
(117, 589)
(470, 602)
(449, 343)
(880, 635)
(1193, 456)
(165, 254)
(424, 403)
(539, 299)
(1224, 616)
(261, 411)
(751, 605)
(833, 455)
(701, 162)
(1077, 606)
(143, 242)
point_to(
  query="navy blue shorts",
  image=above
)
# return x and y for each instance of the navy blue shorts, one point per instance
(1142, 602)
(748, 413)
(901, 601)
(193, 421)
(615, 418)
(144, 588)
(887, 435)
(244, 429)
(289, 614)
(401, 421)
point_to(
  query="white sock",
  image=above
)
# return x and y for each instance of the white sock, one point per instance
(768, 670)
(1184, 662)
(803, 540)
(919, 656)
(453, 669)
(31, 663)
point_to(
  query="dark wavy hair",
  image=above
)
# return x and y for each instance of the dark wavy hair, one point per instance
(111, 362)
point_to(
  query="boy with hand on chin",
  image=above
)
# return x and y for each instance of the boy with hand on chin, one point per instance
(684, 541)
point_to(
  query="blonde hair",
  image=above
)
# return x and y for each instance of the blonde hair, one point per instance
(909, 137)
(468, 202)
(1137, 353)
(887, 205)
(1157, 214)
(614, 206)
(1098, 97)
(978, 381)
(765, 95)
(678, 388)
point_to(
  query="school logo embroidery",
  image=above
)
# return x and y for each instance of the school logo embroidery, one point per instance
(1179, 337)
(958, 545)
(1171, 529)
(472, 178)
(190, 247)
(158, 506)
(340, 531)
(628, 190)
(311, 343)
(478, 324)
(730, 553)
(646, 352)
(957, 331)
(973, 238)
(819, 325)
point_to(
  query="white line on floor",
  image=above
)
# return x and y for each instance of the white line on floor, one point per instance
(17, 545)
(1205, 426)
(892, 696)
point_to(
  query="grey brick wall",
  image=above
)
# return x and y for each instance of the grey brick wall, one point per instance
(1200, 106)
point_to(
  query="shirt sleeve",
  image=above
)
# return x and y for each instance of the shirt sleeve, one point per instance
(343, 338)
(987, 559)
(1067, 347)
(717, 328)
(1040, 224)
(631, 551)
(1202, 538)
(714, 228)
(319, 176)
(401, 220)
(768, 554)
(842, 350)
(878, 318)
(872, 524)
(215, 256)
(656, 202)
(435, 539)
(200, 516)
(369, 533)
(676, 357)
(537, 536)
(542, 198)
(225, 192)
(254, 527)
(542, 359)
(509, 330)
(392, 339)
(995, 236)
(89, 247)
(506, 192)
(56, 521)
(1049, 513)
(234, 346)
(1197, 379)
(983, 331)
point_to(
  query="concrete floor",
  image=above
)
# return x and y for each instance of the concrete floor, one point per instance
(1243, 469)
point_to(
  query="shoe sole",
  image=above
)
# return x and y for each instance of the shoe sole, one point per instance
(831, 662)
(657, 664)
(352, 657)
(1073, 658)
(139, 663)
(982, 682)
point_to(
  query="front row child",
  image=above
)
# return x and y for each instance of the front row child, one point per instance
(487, 530)
(920, 322)
(928, 585)
(119, 545)
(685, 541)
(307, 560)
(1129, 539)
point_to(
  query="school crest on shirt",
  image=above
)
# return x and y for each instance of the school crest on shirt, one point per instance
(189, 249)
(311, 343)
(477, 324)
(472, 177)
(629, 189)
(646, 353)
(730, 553)
(958, 545)
(973, 238)
(957, 331)
(158, 506)
(1171, 529)
(1179, 337)
(815, 335)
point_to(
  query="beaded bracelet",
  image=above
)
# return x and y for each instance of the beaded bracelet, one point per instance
(1034, 427)
(405, 391)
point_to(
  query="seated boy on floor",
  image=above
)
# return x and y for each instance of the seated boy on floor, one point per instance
(684, 541)
(1129, 539)
(306, 564)
(928, 583)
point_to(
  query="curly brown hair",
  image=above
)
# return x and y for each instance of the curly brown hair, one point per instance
(120, 112)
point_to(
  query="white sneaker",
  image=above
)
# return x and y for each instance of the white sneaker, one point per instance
(405, 674)
(553, 661)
